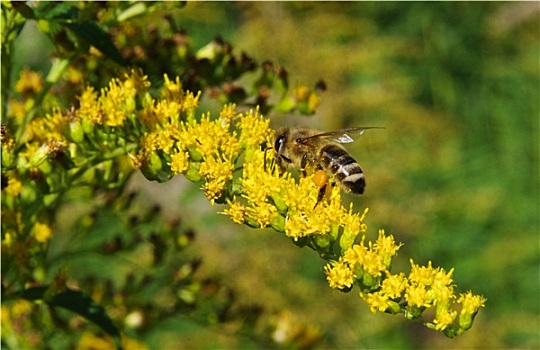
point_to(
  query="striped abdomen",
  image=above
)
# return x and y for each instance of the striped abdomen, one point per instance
(346, 170)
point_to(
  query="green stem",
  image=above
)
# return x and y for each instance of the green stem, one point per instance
(10, 26)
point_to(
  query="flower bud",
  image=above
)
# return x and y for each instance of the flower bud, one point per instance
(152, 167)
(45, 168)
(252, 222)
(87, 126)
(334, 231)
(39, 156)
(393, 307)
(193, 174)
(131, 105)
(369, 281)
(347, 239)
(465, 320)
(194, 154)
(7, 157)
(322, 241)
(278, 223)
(76, 131)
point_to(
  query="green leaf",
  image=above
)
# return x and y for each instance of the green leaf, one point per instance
(94, 35)
(74, 301)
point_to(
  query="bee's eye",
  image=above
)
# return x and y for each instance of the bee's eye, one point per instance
(279, 143)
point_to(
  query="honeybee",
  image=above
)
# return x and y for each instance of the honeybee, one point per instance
(320, 153)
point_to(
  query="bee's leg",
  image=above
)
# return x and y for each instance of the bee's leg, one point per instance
(303, 165)
(321, 194)
(321, 180)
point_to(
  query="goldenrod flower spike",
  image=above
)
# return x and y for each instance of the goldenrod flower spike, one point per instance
(230, 155)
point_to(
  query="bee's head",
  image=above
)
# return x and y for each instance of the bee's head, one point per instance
(280, 147)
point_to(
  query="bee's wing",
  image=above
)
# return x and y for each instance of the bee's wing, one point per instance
(342, 136)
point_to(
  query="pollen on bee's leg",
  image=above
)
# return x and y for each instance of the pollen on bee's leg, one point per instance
(320, 179)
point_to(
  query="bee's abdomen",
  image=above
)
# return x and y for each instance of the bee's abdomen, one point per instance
(344, 167)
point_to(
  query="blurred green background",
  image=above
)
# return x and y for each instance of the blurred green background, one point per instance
(455, 174)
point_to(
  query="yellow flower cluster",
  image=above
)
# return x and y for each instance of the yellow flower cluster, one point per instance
(115, 103)
(231, 156)
(42, 232)
(52, 127)
(209, 150)
(29, 82)
(365, 264)
(424, 288)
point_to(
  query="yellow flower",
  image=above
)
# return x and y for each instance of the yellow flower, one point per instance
(441, 292)
(136, 79)
(14, 187)
(386, 247)
(301, 92)
(303, 217)
(355, 255)
(216, 173)
(179, 162)
(254, 128)
(189, 105)
(263, 213)
(233, 155)
(227, 114)
(21, 307)
(444, 319)
(377, 301)
(373, 263)
(29, 82)
(7, 241)
(297, 225)
(422, 275)
(89, 108)
(394, 285)
(157, 140)
(18, 109)
(471, 303)
(441, 279)
(236, 211)
(210, 138)
(367, 258)
(259, 184)
(417, 296)
(313, 101)
(53, 127)
(113, 102)
(42, 232)
(352, 226)
(172, 90)
(339, 275)
(74, 75)
(165, 111)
